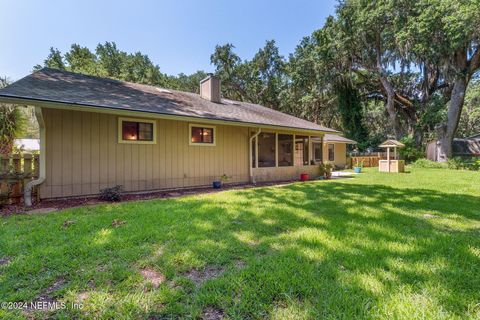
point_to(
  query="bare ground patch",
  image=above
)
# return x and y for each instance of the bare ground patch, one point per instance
(46, 299)
(240, 264)
(4, 261)
(67, 223)
(152, 276)
(212, 313)
(82, 296)
(200, 276)
(46, 295)
(117, 223)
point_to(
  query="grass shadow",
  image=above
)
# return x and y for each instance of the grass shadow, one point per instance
(341, 249)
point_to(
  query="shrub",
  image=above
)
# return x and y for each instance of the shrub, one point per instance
(224, 178)
(455, 163)
(12, 125)
(476, 164)
(328, 170)
(410, 152)
(112, 194)
(425, 163)
(458, 163)
(321, 170)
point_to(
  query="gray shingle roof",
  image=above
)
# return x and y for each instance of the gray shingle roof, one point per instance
(334, 138)
(337, 138)
(72, 88)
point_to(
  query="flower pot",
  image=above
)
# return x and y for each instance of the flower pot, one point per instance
(217, 184)
(357, 169)
(304, 177)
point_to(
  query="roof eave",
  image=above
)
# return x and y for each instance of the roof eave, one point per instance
(108, 110)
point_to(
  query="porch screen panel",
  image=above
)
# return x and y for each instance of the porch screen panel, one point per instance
(301, 150)
(266, 150)
(285, 150)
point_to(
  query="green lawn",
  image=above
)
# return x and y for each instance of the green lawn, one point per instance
(396, 246)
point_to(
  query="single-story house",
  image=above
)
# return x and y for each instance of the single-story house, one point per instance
(97, 133)
(466, 147)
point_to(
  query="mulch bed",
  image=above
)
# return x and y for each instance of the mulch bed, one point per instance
(59, 204)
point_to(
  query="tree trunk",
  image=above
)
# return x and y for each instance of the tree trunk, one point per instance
(6, 147)
(394, 120)
(390, 106)
(446, 131)
(418, 136)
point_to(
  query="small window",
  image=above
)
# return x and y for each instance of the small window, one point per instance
(331, 152)
(318, 152)
(202, 135)
(136, 131)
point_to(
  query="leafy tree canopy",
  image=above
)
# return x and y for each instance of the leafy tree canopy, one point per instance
(376, 69)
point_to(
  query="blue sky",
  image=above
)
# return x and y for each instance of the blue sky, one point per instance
(179, 35)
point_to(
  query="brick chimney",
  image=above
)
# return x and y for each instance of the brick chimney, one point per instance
(210, 88)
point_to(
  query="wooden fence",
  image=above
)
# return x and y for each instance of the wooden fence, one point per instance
(368, 161)
(16, 170)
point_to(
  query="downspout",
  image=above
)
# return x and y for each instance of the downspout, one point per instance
(250, 166)
(27, 197)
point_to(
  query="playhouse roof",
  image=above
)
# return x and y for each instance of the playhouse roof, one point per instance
(391, 144)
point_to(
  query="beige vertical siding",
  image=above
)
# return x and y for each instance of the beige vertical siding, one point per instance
(83, 156)
(340, 153)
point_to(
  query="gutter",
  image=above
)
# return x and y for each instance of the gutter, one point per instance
(42, 161)
(250, 166)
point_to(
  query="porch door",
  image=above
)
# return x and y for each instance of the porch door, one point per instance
(301, 150)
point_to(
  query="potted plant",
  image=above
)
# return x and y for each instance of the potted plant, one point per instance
(328, 170)
(218, 183)
(358, 166)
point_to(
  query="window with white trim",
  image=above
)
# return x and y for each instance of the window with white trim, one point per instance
(140, 131)
(202, 135)
(331, 152)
